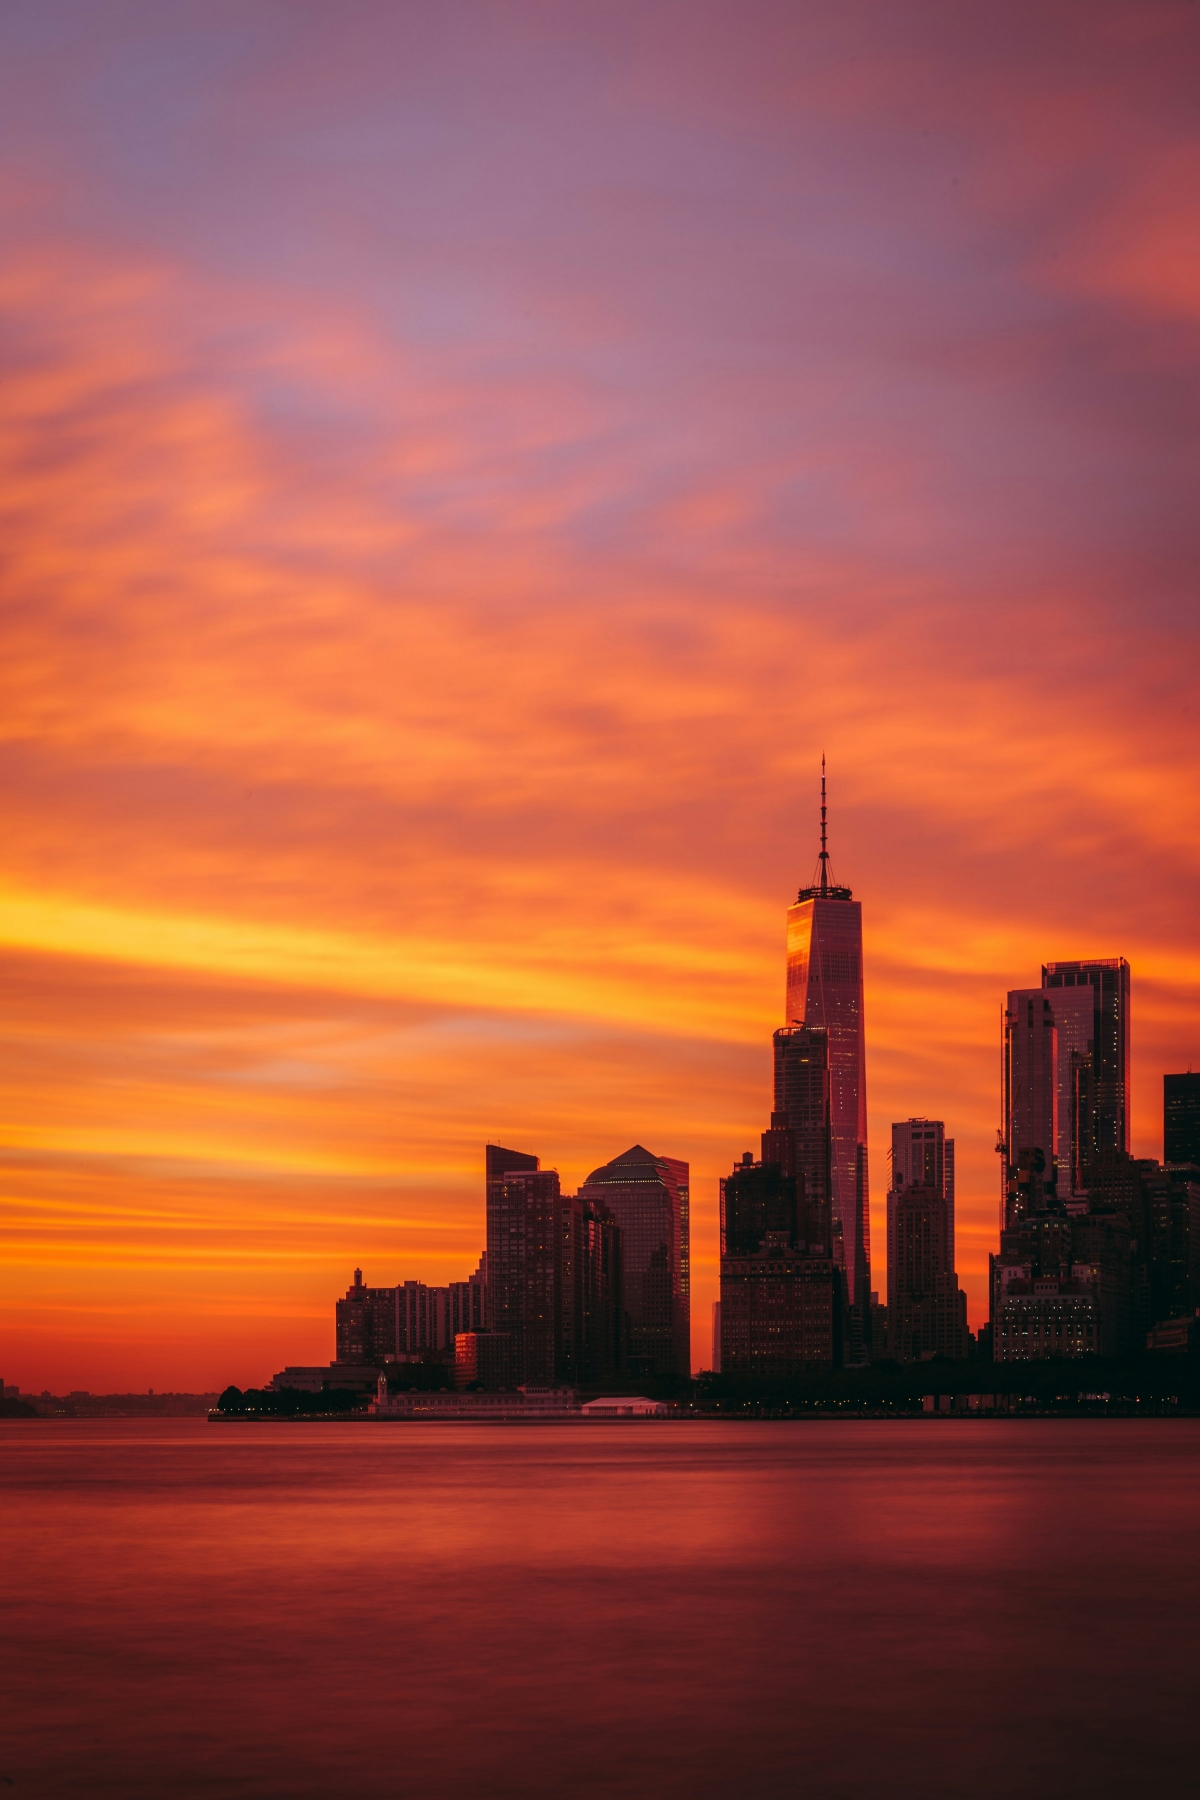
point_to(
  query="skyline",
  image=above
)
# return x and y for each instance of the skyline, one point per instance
(406, 531)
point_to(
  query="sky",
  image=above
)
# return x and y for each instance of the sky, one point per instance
(460, 468)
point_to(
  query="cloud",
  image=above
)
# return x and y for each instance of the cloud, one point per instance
(414, 679)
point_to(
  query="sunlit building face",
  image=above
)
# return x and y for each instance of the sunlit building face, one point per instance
(825, 987)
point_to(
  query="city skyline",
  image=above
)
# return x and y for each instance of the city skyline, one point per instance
(456, 486)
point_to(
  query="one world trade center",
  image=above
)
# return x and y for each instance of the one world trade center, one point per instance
(825, 988)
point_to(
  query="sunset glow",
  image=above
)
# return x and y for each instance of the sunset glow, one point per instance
(458, 474)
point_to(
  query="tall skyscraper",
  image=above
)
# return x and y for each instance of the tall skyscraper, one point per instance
(825, 988)
(1181, 1119)
(505, 1236)
(524, 1261)
(1030, 1102)
(648, 1197)
(1099, 1073)
(927, 1311)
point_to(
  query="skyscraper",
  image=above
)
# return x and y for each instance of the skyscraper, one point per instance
(1099, 1073)
(825, 988)
(1030, 1101)
(781, 1291)
(1181, 1119)
(927, 1311)
(524, 1261)
(648, 1197)
(921, 1153)
(505, 1236)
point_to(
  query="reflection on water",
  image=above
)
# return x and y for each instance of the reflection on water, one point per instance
(921, 1608)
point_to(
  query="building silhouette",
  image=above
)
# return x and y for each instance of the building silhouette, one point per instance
(1093, 1061)
(922, 1153)
(1029, 1136)
(648, 1197)
(781, 1287)
(825, 989)
(926, 1309)
(1181, 1120)
(555, 1283)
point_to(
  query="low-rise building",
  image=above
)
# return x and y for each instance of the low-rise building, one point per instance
(525, 1403)
(626, 1406)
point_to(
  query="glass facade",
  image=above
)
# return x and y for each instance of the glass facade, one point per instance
(648, 1197)
(1030, 1102)
(825, 988)
(1181, 1119)
(1103, 1123)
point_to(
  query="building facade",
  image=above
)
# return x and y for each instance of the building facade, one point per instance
(782, 1289)
(922, 1155)
(1098, 1074)
(647, 1196)
(1181, 1119)
(365, 1323)
(1029, 1137)
(926, 1309)
(825, 989)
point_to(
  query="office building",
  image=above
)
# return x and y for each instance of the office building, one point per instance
(1095, 1069)
(524, 1267)
(554, 1275)
(926, 1309)
(780, 1313)
(505, 1235)
(1030, 1103)
(602, 1294)
(781, 1287)
(648, 1198)
(1181, 1119)
(825, 989)
(922, 1155)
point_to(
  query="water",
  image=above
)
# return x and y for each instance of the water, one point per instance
(919, 1608)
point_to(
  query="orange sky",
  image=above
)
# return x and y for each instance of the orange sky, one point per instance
(453, 486)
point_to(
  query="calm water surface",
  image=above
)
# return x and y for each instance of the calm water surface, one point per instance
(975, 1608)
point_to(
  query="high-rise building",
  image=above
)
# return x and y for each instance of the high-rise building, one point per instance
(525, 1266)
(601, 1293)
(1181, 1119)
(1098, 1074)
(799, 1140)
(1030, 1100)
(922, 1154)
(926, 1309)
(557, 1297)
(780, 1303)
(781, 1289)
(825, 989)
(648, 1197)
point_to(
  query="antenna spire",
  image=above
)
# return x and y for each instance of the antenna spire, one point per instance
(823, 886)
(824, 858)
